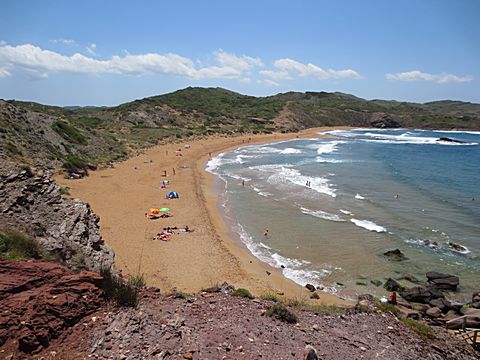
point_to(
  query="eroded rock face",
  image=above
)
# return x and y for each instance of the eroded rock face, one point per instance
(40, 300)
(64, 227)
(443, 281)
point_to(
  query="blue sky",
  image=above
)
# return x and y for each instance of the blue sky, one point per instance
(109, 52)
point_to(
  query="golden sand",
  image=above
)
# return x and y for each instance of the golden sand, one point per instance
(191, 261)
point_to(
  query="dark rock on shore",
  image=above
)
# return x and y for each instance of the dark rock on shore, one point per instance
(447, 139)
(383, 120)
(40, 300)
(63, 227)
(476, 300)
(310, 287)
(421, 294)
(392, 285)
(395, 255)
(443, 281)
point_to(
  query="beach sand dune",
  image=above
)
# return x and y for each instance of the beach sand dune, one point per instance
(189, 261)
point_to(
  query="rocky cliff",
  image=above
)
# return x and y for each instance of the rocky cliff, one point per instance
(66, 228)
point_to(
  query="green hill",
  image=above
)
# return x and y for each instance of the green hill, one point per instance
(47, 135)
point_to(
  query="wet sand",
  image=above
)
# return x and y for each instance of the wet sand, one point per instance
(191, 261)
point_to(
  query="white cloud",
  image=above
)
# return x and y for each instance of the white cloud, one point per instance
(303, 70)
(33, 58)
(417, 75)
(268, 82)
(278, 75)
(3, 42)
(64, 41)
(242, 63)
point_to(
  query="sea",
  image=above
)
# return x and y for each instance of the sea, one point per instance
(325, 210)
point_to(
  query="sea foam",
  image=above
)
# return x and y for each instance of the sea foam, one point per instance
(322, 214)
(369, 225)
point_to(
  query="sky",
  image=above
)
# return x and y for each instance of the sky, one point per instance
(109, 52)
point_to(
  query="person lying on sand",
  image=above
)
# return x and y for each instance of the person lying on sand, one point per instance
(185, 229)
(151, 216)
(161, 236)
(166, 215)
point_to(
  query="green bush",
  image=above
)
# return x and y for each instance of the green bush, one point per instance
(69, 132)
(181, 295)
(424, 331)
(243, 293)
(74, 163)
(65, 190)
(124, 293)
(388, 308)
(15, 245)
(270, 296)
(282, 313)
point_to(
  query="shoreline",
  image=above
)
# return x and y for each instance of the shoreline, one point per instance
(189, 261)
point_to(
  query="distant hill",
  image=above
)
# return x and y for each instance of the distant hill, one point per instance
(40, 134)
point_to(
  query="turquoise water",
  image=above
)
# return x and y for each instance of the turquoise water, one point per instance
(333, 206)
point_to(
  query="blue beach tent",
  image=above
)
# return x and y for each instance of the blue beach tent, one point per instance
(173, 195)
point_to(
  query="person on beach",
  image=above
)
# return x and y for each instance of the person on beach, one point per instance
(392, 298)
(173, 170)
(265, 233)
(243, 183)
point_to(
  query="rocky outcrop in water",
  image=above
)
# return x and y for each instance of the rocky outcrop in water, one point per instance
(66, 228)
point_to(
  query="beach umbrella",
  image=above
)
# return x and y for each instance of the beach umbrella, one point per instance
(164, 209)
(154, 211)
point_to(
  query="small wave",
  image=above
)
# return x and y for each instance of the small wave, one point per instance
(214, 163)
(407, 137)
(359, 197)
(326, 147)
(321, 214)
(346, 212)
(369, 225)
(320, 159)
(291, 151)
(284, 173)
(261, 193)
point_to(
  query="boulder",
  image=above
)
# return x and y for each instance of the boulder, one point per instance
(395, 255)
(383, 120)
(392, 285)
(310, 353)
(421, 294)
(443, 304)
(475, 300)
(310, 287)
(315, 296)
(434, 312)
(443, 281)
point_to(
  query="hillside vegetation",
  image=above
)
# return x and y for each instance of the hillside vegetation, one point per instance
(44, 135)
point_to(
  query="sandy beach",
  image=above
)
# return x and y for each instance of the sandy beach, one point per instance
(189, 261)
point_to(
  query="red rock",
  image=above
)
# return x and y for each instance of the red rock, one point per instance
(43, 300)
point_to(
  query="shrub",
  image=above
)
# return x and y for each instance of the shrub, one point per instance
(15, 245)
(424, 331)
(124, 293)
(282, 313)
(270, 296)
(243, 293)
(65, 190)
(181, 295)
(388, 308)
(69, 132)
(74, 163)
